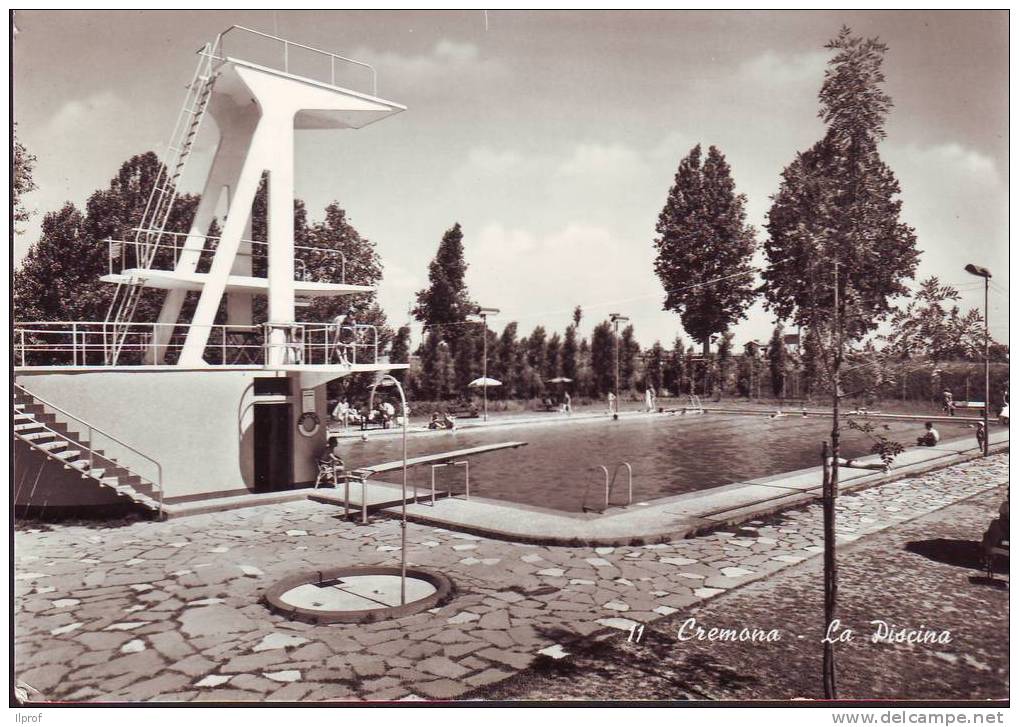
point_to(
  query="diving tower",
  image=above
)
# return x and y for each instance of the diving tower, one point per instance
(236, 391)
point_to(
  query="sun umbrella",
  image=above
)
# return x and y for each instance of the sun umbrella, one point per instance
(483, 381)
(560, 380)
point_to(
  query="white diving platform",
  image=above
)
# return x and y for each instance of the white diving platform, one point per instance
(188, 281)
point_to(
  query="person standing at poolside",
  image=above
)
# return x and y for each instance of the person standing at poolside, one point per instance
(341, 412)
(612, 403)
(567, 403)
(981, 434)
(947, 402)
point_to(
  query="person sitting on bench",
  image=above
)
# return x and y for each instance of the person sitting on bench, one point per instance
(930, 437)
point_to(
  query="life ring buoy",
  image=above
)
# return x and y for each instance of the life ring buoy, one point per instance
(308, 424)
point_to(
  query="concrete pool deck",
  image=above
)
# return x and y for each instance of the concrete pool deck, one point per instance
(660, 520)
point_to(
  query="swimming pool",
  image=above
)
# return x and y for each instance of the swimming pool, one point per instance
(670, 455)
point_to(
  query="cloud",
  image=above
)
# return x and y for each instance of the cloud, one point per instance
(611, 160)
(447, 65)
(772, 69)
(486, 160)
(950, 159)
(538, 277)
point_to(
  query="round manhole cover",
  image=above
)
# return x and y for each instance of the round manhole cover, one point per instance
(350, 595)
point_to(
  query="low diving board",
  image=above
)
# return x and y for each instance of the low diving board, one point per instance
(439, 457)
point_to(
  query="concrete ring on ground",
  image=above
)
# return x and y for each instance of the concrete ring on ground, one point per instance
(356, 594)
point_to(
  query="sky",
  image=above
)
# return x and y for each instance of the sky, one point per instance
(551, 137)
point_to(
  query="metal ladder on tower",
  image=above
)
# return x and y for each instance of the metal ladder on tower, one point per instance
(160, 202)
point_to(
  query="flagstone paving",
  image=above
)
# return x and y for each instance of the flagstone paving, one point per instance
(171, 611)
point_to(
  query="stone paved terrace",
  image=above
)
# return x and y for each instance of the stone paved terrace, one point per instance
(922, 574)
(170, 611)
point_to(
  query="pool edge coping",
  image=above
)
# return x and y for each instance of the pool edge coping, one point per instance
(695, 524)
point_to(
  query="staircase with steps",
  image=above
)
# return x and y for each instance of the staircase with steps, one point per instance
(38, 426)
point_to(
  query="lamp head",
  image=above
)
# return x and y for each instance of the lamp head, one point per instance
(978, 271)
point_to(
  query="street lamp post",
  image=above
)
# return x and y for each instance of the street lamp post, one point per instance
(389, 380)
(483, 314)
(615, 318)
(986, 275)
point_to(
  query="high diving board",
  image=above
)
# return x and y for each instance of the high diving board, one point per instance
(438, 458)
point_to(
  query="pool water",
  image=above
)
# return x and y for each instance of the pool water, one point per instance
(670, 455)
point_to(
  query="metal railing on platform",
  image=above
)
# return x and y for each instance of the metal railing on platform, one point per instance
(88, 343)
(322, 343)
(219, 52)
(165, 252)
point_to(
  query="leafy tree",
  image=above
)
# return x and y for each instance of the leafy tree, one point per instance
(810, 362)
(837, 252)
(399, 352)
(834, 226)
(58, 279)
(509, 359)
(585, 374)
(724, 359)
(702, 237)
(534, 355)
(602, 359)
(931, 326)
(22, 181)
(744, 374)
(629, 349)
(777, 360)
(553, 356)
(569, 352)
(656, 367)
(446, 300)
(467, 354)
(672, 378)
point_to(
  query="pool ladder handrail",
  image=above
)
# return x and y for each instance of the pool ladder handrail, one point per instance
(467, 479)
(610, 484)
(695, 404)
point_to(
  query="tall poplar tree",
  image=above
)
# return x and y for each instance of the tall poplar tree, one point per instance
(702, 237)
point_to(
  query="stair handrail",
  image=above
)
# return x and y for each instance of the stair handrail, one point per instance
(94, 429)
